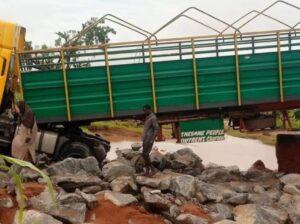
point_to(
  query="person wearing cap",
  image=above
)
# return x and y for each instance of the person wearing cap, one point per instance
(151, 129)
(23, 144)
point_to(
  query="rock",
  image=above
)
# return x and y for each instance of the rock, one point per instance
(183, 185)
(124, 185)
(90, 200)
(174, 211)
(6, 202)
(185, 159)
(70, 198)
(70, 182)
(89, 165)
(158, 160)
(254, 214)
(226, 191)
(259, 189)
(200, 197)
(190, 219)
(241, 187)
(291, 189)
(166, 221)
(120, 199)
(29, 175)
(2, 162)
(160, 181)
(72, 207)
(291, 179)
(210, 191)
(226, 222)
(219, 174)
(267, 198)
(43, 202)
(127, 153)
(233, 169)
(70, 213)
(291, 204)
(156, 201)
(224, 211)
(238, 199)
(31, 217)
(4, 179)
(259, 165)
(92, 189)
(259, 172)
(116, 169)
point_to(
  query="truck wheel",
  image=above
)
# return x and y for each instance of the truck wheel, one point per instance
(74, 150)
(99, 153)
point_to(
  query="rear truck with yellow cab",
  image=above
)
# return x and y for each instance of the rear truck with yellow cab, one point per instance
(58, 141)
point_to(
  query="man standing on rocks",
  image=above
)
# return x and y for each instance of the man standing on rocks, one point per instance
(151, 129)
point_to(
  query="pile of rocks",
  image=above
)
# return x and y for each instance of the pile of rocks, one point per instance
(182, 191)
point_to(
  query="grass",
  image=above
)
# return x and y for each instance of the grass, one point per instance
(128, 125)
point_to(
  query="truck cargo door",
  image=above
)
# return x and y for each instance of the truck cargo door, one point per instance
(4, 70)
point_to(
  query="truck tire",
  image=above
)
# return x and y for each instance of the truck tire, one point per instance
(99, 153)
(74, 150)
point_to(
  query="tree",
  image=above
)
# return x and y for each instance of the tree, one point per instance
(98, 34)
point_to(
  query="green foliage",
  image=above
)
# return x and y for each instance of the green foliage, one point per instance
(18, 182)
(98, 34)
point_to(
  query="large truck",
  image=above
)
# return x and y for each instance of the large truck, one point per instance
(58, 140)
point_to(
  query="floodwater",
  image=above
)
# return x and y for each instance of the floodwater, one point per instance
(231, 151)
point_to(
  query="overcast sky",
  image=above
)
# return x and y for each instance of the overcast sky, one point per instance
(42, 18)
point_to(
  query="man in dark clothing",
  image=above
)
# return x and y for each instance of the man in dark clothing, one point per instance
(151, 129)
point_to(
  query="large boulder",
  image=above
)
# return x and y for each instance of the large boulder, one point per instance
(31, 216)
(117, 169)
(256, 214)
(88, 165)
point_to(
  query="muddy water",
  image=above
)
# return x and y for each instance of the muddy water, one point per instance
(231, 151)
